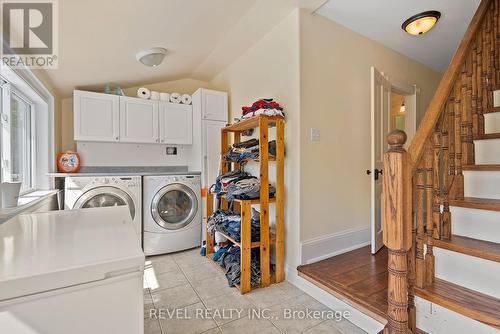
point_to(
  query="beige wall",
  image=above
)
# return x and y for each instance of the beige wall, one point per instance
(65, 135)
(270, 68)
(335, 98)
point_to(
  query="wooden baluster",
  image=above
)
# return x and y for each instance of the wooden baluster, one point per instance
(397, 230)
(479, 83)
(492, 74)
(420, 238)
(484, 77)
(429, 256)
(496, 41)
(468, 113)
(412, 310)
(458, 185)
(475, 115)
(445, 148)
(436, 192)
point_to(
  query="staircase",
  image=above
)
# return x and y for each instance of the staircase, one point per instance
(441, 209)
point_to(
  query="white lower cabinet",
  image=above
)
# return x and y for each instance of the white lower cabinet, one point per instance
(138, 120)
(176, 123)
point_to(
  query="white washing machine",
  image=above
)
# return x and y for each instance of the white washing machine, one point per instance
(172, 213)
(82, 192)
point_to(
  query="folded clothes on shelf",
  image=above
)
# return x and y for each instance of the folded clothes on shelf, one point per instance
(230, 261)
(267, 107)
(229, 223)
(225, 180)
(248, 150)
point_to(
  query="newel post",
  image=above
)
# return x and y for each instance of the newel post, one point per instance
(397, 229)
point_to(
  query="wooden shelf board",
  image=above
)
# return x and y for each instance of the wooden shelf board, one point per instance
(477, 203)
(491, 168)
(250, 123)
(467, 302)
(255, 244)
(478, 248)
(251, 201)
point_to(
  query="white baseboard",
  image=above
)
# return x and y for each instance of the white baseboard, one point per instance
(317, 249)
(357, 317)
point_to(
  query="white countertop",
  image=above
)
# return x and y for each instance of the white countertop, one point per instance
(46, 251)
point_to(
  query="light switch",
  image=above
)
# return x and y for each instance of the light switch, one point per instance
(315, 134)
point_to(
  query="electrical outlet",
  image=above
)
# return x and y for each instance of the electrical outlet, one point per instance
(315, 134)
(171, 150)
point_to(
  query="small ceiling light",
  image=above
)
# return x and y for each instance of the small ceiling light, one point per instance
(421, 23)
(151, 57)
(403, 108)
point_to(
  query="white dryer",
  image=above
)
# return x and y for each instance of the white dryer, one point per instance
(82, 192)
(172, 213)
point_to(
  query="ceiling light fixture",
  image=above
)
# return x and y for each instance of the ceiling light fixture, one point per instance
(151, 57)
(421, 23)
(402, 109)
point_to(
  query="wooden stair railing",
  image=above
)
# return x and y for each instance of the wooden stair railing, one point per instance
(419, 184)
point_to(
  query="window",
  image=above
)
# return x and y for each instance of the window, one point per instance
(17, 138)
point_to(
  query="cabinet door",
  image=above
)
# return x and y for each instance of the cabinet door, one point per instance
(211, 151)
(214, 105)
(96, 116)
(176, 126)
(138, 120)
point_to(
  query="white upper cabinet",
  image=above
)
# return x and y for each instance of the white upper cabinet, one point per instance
(176, 123)
(214, 105)
(139, 120)
(96, 116)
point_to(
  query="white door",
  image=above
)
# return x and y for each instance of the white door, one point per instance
(176, 123)
(211, 152)
(214, 105)
(96, 116)
(380, 112)
(139, 120)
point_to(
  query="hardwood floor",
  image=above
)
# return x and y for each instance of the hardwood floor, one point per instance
(356, 277)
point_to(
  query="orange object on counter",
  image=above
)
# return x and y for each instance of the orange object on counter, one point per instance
(68, 162)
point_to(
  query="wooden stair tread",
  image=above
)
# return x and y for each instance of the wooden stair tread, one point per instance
(479, 248)
(487, 136)
(467, 302)
(491, 110)
(477, 203)
(491, 168)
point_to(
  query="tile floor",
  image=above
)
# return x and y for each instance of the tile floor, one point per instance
(185, 294)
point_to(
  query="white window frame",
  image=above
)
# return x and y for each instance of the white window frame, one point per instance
(7, 91)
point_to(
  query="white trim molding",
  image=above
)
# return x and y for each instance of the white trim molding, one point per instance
(317, 249)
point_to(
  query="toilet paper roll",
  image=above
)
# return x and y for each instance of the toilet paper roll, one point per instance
(175, 98)
(186, 99)
(155, 95)
(143, 93)
(165, 97)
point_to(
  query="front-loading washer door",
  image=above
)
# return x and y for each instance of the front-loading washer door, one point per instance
(105, 196)
(174, 206)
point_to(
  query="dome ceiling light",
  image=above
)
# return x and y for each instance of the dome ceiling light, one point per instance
(421, 23)
(151, 57)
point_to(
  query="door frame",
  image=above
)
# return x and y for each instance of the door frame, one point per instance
(411, 93)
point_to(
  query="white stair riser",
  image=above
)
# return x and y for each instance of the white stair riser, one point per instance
(487, 151)
(475, 223)
(484, 184)
(492, 122)
(435, 319)
(468, 271)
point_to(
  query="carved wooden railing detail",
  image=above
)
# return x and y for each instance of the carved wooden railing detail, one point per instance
(419, 184)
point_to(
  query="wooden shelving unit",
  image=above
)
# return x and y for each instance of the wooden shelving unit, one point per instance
(245, 206)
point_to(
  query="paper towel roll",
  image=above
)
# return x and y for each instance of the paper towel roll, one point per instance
(186, 99)
(144, 93)
(175, 98)
(165, 97)
(155, 95)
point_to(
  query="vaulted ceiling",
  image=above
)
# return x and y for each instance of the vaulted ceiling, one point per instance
(381, 21)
